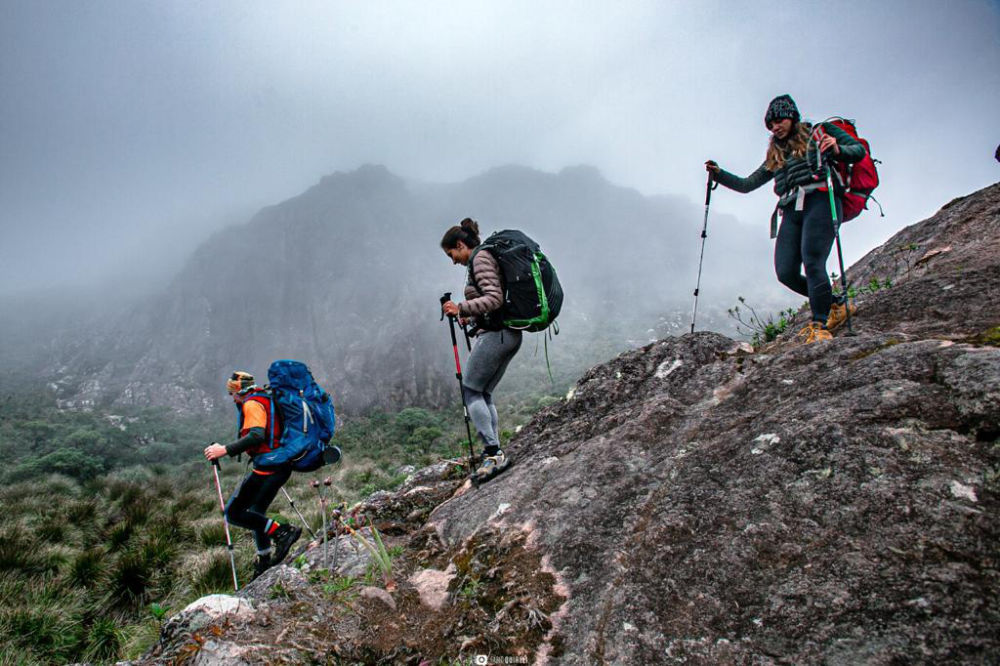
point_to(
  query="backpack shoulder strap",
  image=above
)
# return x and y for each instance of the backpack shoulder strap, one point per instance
(491, 249)
(266, 400)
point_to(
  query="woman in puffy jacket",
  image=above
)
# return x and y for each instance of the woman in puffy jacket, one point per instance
(796, 158)
(492, 350)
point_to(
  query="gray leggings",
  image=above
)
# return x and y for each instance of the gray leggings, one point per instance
(491, 354)
(804, 240)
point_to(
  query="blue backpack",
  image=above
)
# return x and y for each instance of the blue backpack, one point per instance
(307, 419)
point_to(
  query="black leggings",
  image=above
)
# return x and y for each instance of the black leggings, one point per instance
(248, 505)
(805, 239)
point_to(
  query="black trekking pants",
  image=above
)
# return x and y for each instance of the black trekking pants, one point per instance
(804, 240)
(248, 506)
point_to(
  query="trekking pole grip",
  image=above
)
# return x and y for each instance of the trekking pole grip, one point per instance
(445, 297)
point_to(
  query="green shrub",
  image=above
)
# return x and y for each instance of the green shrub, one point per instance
(424, 437)
(71, 462)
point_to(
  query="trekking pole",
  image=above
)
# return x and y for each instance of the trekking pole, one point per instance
(468, 339)
(840, 254)
(322, 508)
(709, 186)
(296, 509)
(225, 522)
(458, 373)
(337, 513)
(326, 542)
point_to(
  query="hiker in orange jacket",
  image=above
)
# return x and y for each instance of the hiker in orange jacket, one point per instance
(248, 505)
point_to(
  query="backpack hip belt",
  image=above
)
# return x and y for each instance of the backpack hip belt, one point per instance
(796, 194)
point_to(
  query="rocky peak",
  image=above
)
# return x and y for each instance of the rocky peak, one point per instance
(695, 501)
(346, 277)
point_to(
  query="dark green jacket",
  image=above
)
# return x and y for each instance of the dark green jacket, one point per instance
(796, 170)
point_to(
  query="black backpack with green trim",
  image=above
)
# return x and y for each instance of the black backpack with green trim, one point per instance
(532, 294)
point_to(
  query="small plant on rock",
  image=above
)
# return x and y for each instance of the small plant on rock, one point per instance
(761, 330)
(853, 292)
(380, 555)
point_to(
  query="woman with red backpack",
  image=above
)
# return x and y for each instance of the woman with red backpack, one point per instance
(797, 159)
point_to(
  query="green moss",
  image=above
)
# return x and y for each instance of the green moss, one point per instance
(891, 342)
(990, 337)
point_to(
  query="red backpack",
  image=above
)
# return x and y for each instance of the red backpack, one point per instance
(860, 178)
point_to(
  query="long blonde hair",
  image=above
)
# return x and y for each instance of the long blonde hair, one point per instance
(795, 145)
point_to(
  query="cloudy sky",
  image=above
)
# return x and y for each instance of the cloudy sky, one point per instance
(130, 130)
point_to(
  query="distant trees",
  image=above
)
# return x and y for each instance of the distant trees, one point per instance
(418, 428)
(37, 438)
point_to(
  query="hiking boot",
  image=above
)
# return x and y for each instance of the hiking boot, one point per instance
(814, 331)
(283, 538)
(262, 564)
(838, 315)
(493, 465)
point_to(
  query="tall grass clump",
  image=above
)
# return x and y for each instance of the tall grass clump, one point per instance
(129, 579)
(104, 641)
(87, 568)
(42, 631)
(210, 572)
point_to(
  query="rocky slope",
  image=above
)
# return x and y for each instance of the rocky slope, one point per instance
(694, 501)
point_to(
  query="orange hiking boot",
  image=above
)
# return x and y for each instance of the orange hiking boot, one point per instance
(838, 315)
(814, 331)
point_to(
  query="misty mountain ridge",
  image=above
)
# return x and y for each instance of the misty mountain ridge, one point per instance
(347, 277)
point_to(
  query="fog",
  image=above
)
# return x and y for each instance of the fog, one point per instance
(131, 131)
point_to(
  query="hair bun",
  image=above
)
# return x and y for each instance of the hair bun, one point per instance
(470, 225)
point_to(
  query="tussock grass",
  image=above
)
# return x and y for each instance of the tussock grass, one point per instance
(43, 627)
(118, 535)
(104, 640)
(209, 571)
(137, 638)
(87, 568)
(53, 528)
(81, 511)
(129, 579)
(16, 544)
(210, 532)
